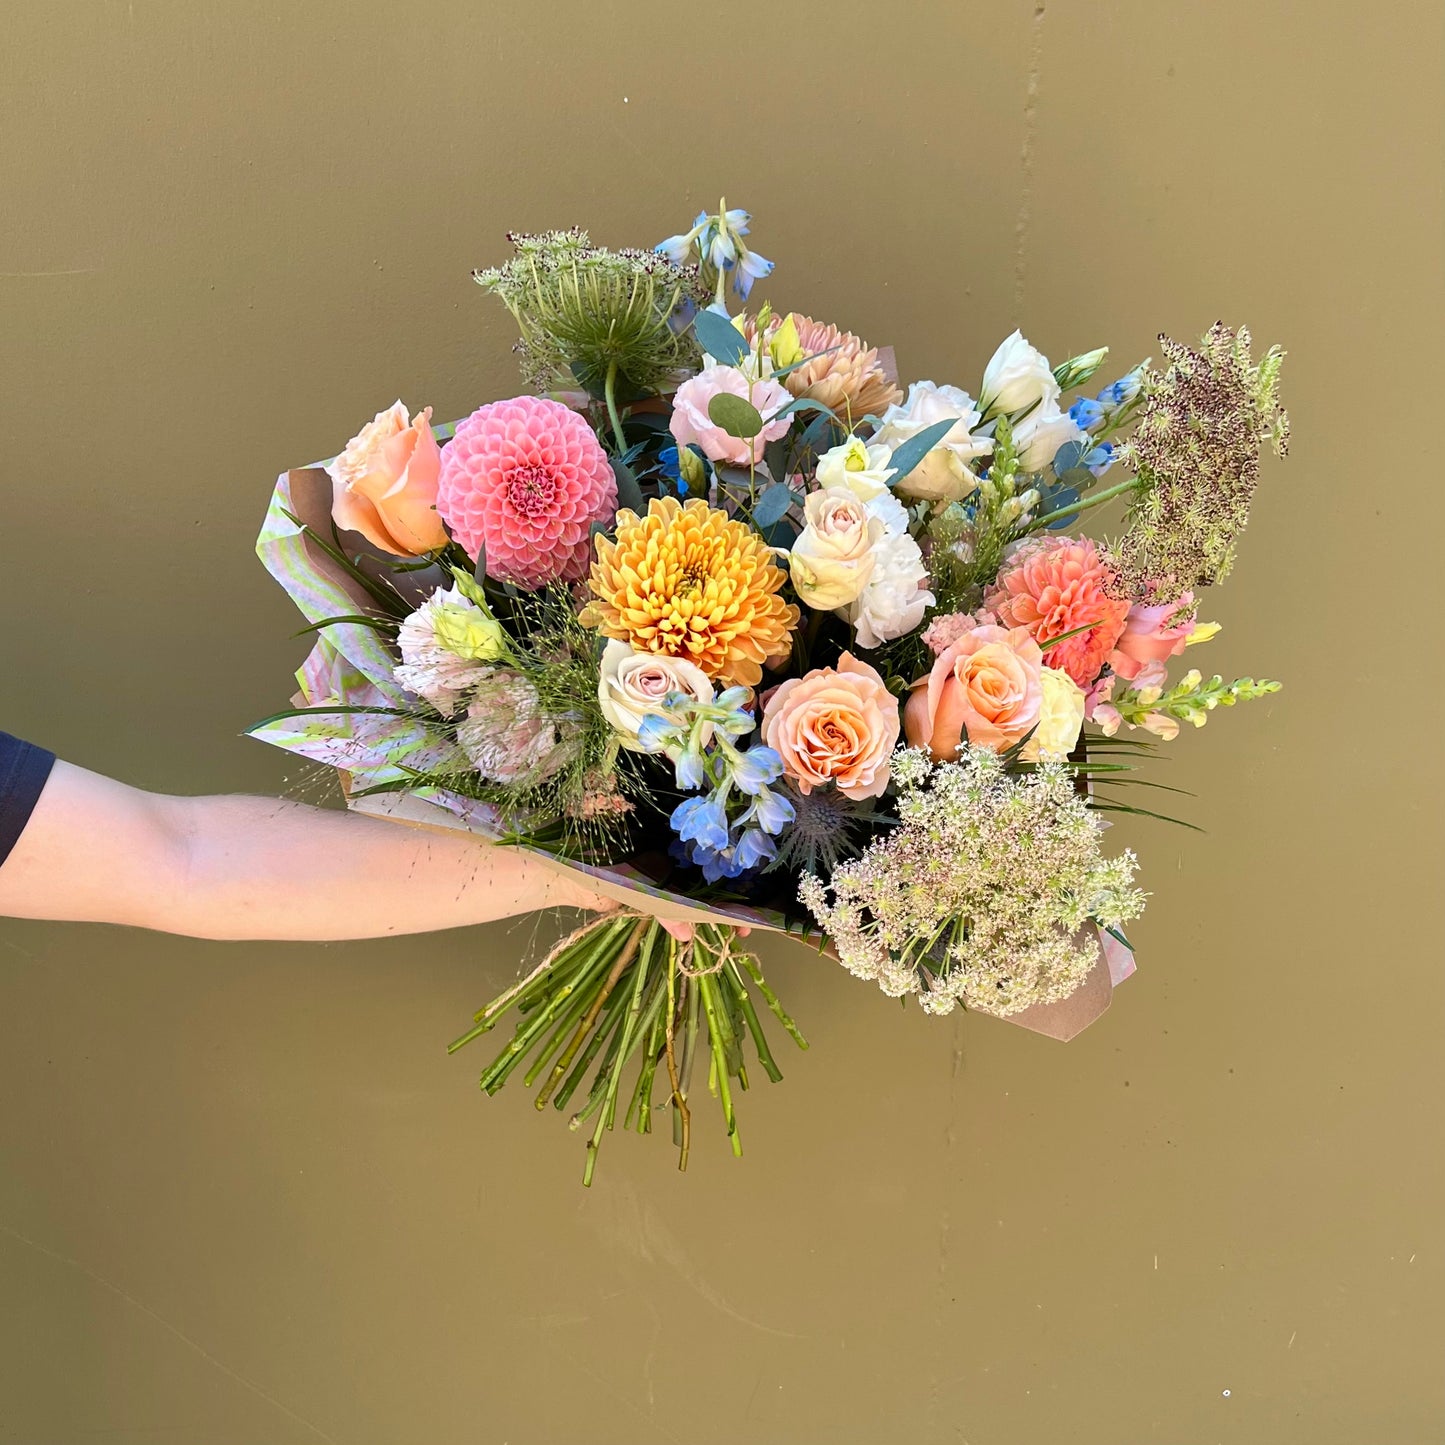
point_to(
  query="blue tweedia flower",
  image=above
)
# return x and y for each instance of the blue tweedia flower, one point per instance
(715, 243)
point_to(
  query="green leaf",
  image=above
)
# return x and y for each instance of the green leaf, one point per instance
(804, 403)
(629, 494)
(907, 455)
(775, 500)
(737, 417)
(782, 371)
(720, 338)
(377, 624)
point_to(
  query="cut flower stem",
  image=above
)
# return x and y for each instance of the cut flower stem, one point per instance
(623, 993)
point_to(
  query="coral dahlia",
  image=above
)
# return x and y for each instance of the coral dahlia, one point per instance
(1056, 585)
(522, 481)
(688, 581)
(844, 372)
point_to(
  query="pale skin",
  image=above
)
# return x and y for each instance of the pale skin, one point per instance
(98, 851)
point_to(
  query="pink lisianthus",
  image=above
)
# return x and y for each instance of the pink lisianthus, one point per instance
(1054, 586)
(522, 481)
(1152, 634)
(692, 425)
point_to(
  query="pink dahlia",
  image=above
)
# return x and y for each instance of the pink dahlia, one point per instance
(522, 481)
(1056, 585)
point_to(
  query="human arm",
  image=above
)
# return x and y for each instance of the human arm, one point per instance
(96, 850)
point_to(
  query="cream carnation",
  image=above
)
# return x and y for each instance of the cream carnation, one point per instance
(896, 596)
(509, 738)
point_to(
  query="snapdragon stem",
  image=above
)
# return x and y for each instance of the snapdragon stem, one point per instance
(681, 1118)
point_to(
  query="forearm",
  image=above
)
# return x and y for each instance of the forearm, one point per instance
(260, 868)
(98, 851)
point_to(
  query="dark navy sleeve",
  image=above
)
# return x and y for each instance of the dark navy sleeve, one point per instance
(24, 769)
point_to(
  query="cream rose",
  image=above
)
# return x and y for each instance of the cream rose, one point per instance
(1017, 376)
(1061, 715)
(632, 684)
(944, 475)
(384, 485)
(832, 559)
(834, 725)
(861, 468)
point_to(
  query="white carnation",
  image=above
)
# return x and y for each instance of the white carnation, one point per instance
(896, 597)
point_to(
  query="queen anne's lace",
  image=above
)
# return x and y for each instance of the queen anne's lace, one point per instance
(981, 894)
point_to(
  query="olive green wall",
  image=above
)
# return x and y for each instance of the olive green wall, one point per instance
(245, 1197)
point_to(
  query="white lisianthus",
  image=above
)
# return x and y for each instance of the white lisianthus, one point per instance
(1017, 376)
(832, 559)
(631, 685)
(1061, 715)
(860, 467)
(896, 597)
(944, 475)
(446, 645)
(1042, 432)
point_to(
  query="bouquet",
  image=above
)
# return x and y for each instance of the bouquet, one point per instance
(718, 614)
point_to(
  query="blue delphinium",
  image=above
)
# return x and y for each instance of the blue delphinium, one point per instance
(715, 243)
(727, 830)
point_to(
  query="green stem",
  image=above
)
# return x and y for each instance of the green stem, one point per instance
(755, 1027)
(707, 984)
(609, 390)
(614, 1082)
(779, 1012)
(1096, 499)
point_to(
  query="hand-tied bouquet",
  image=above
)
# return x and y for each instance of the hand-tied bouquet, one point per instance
(719, 615)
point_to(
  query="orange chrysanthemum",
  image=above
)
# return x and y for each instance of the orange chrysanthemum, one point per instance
(688, 581)
(844, 372)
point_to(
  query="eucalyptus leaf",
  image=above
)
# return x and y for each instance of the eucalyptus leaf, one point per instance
(775, 500)
(907, 455)
(1080, 478)
(1069, 455)
(737, 417)
(629, 494)
(803, 403)
(720, 338)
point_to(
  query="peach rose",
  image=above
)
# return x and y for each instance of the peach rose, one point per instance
(985, 688)
(834, 725)
(384, 485)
